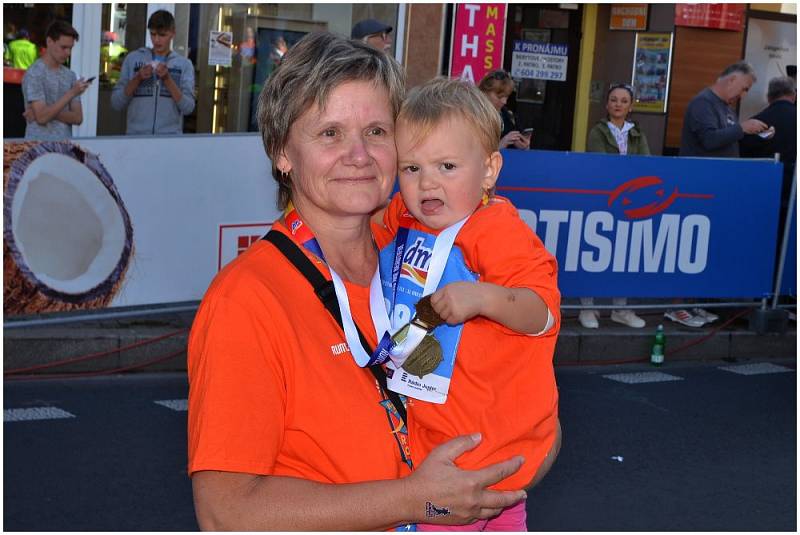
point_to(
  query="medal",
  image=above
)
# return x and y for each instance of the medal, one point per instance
(427, 354)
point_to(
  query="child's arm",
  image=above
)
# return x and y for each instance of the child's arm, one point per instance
(519, 309)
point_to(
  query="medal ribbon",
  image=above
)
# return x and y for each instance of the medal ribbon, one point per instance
(377, 307)
(440, 254)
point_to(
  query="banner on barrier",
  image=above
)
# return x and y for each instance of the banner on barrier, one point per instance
(652, 226)
(106, 222)
(789, 280)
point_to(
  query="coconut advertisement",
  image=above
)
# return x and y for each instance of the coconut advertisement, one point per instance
(113, 222)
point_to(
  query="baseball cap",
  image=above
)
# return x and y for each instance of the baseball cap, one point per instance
(368, 27)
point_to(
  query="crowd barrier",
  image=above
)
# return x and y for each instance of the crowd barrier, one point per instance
(162, 215)
(651, 226)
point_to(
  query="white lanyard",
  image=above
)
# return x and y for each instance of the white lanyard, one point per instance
(441, 252)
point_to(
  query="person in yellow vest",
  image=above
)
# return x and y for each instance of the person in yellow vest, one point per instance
(21, 52)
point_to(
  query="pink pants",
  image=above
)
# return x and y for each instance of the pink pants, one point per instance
(511, 519)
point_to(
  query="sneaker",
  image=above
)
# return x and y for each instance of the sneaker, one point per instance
(588, 318)
(627, 317)
(705, 315)
(683, 317)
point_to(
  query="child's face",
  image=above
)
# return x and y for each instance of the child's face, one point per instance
(444, 175)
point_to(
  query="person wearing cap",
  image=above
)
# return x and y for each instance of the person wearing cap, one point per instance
(374, 33)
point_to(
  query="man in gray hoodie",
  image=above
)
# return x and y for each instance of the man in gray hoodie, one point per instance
(156, 85)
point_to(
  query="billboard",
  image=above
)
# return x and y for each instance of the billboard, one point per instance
(649, 226)
(478, 36)
(105, 222)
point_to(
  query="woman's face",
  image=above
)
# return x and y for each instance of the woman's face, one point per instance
(342, 159)
(619, 104)
(499, 96)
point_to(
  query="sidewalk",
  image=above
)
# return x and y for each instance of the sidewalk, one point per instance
(163, 339)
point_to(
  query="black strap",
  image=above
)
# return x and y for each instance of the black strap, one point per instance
(326, 293)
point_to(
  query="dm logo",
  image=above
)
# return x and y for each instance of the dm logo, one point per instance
(416, 262)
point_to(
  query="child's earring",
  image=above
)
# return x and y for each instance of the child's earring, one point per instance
(485, 198)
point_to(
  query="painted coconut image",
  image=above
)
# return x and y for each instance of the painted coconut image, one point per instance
(67, 239)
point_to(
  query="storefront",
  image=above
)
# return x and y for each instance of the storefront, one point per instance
(597, 44)
(227, 81)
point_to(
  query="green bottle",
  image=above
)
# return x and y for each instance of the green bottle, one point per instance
(657, 354)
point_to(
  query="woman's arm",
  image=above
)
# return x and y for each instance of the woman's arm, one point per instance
(238, 502)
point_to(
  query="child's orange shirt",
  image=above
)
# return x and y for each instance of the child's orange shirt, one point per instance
(503, 383)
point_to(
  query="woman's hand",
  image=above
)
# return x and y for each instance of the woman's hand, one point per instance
(442, 493)
(512, 138)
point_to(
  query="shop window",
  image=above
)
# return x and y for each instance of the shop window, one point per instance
(234, 48)
(23, 22)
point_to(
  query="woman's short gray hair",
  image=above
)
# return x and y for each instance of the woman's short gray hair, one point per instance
(309, 71)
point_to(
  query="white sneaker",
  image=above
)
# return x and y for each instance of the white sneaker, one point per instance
(588, 318)
(705, 315)
(683, 317)
(627, 317)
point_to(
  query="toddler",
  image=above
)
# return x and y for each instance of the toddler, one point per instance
(497, 293)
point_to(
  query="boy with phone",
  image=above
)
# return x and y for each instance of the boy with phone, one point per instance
(52, 91)
(156, 84)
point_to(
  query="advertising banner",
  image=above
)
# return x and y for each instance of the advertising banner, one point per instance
(476, 47)
(639, 226)
(539, 61)
(789, 276)
(628, 17)
(771, 47)
(717, 16)
(106, 222)
(652, 61)
(220, 48)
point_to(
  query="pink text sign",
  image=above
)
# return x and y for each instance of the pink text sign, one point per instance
(478, 39)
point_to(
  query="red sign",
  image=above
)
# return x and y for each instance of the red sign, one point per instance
(478, 39)
(719, 16)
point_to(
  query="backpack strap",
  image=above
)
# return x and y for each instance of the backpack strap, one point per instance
(326, 293)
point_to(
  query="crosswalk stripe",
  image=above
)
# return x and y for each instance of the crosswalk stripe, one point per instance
(756, 369)
(174, 404)
(35, 413)
(642, 377)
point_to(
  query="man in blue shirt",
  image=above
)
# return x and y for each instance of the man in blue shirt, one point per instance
(710, 125)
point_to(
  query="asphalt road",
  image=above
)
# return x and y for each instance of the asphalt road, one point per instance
(707, 450)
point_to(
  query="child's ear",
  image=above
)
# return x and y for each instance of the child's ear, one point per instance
(493, 165)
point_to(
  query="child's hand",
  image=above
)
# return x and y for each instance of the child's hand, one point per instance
(458, 302)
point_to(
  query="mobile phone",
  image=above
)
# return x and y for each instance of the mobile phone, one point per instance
(766, 134)
(528, 132)
(89, 80)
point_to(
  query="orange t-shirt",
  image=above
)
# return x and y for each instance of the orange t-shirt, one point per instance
(273, 388)
(503, 384)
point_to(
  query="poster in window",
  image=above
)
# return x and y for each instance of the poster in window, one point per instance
(652, 60)
(220, 48)
(533, 91)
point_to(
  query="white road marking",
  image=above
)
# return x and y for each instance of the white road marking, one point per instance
(756, 369)
(174, 404)
(642, 377)
(35, 413)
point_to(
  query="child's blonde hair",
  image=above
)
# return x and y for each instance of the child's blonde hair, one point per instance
(441, 98)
